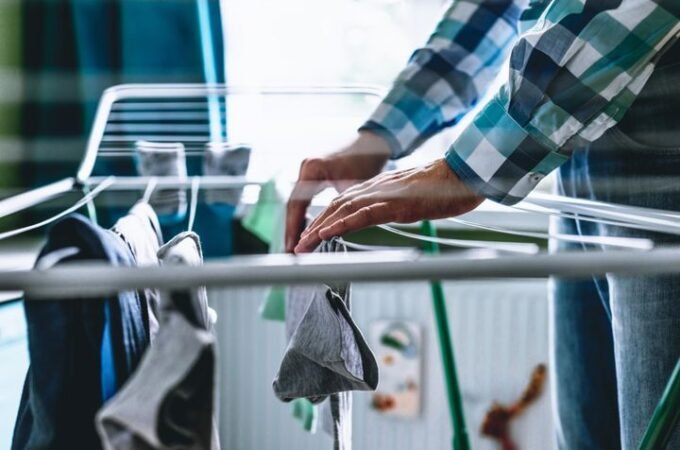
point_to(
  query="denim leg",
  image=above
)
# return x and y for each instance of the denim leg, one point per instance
(582, 361)
(583, 371)
(635, 163)
(645, 309)
(646, 326)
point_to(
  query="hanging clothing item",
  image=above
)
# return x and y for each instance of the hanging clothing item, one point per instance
(169, 403)
(141, 232)
(225, 159)
(327, 352)
(68, 345)
(163, 159)
(266, 220)
(185, 249)
(327, 355)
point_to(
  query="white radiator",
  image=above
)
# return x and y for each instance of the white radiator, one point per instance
(500, 334)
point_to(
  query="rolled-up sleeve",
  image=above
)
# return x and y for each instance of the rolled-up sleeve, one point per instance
(572, 77)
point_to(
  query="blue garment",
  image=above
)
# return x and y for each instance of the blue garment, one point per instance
(616, 339)
(63, 387)
(108, 365)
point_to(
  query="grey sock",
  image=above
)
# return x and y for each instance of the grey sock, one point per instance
(327, 356)
(156, 159)
(224, 158)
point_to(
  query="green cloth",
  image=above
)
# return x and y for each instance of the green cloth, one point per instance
(305, 412)
(274, 305)
(266, 220)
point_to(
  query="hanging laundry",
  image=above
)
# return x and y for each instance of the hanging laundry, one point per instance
(69, 341)
(225, 159)
(156, 159)
(141, 232)
(327, 356)
(169, 403)
(266, 220)
(306, 413)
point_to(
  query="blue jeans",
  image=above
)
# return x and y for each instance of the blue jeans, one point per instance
(616, 339)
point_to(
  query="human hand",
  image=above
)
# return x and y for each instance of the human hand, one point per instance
(359, 161)
(404, 196)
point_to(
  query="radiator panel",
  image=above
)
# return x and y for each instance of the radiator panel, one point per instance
(499, 330)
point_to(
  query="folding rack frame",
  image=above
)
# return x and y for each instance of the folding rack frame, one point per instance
(376, 266)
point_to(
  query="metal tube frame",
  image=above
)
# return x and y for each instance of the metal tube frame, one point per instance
(94, 278)
(159, 91)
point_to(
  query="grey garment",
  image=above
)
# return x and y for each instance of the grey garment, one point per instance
(185, 249)
(326, 355)
(141, 232)
(164, 159)
(169, 402)
(326, 351)
(225, 159)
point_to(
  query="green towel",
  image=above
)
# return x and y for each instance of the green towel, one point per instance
(274, 305)
(266, 220)
(305, 412)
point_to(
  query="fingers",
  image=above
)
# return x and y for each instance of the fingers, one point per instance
(342, 201)
(311, 181)
(367, 216)
(338, 209)
(370, 192)
(295, 221)
(347, 208)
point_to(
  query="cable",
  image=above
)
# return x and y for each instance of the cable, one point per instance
(195, 182)
(79, 204)
(364, 247)
(529, 249)
(631, 243)
(153, 182)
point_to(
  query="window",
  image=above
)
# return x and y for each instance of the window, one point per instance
(311, 43)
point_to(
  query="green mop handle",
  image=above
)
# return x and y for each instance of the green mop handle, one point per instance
(460, 435)
(666, 416)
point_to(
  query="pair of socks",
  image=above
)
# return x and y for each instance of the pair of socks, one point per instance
(156, 159)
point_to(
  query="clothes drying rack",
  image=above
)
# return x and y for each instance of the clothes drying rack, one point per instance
(129, 113)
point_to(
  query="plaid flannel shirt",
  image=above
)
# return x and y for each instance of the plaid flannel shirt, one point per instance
(575, 67)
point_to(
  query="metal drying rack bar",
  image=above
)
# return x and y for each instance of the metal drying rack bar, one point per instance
(393, 266)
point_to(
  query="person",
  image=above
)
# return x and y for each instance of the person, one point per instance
(593, 88)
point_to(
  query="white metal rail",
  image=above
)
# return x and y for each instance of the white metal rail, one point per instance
(90, 279)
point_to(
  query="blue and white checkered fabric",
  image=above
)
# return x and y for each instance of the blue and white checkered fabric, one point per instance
(576, 66)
